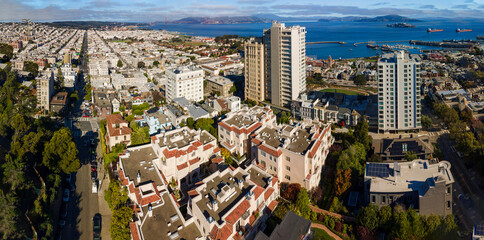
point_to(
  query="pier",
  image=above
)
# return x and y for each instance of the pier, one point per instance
(370, 42)
(325, 42)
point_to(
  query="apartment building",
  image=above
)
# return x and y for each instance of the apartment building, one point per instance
(186, 81)
(117, 130)
(255, 76)
(233, 203)
(218, 85)
(399, 92)
(234, 132)
(285, 62)
(181, 152)
(295, 153)
(421, 184)
(45, 90)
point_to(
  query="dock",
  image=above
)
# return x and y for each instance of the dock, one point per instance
(325, 42)
(373, 42)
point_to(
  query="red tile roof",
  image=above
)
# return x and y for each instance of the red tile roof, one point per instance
(274, 181)
(216, 150)
(256, 141)
(134, 230)
(314, 149)
(241, 130)
(206, 147)
(182, 166)
(268, 193)
(193, 161)
(193, 193)
(124, 180)
(221, 234)
(147, 200)
(272, 205)
(112, 130)
(237, 212)
(258, 191)
(270, 150)
(217, 160)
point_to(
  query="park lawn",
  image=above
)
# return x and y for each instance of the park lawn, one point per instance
(320, 234)
(194, 43)
(345, 91)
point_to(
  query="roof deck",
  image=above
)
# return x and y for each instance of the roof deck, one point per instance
(140, 161)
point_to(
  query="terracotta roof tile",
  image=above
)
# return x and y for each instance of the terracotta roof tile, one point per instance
(270, 150)
(182, 166)
(258, 191)
(268, 193)
(194, 161)
(134, 230)
(216, 150)
(272, 205)
(237, 212)
(206, 147)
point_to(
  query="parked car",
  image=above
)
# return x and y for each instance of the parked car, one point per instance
(64, 210)
(65, 196)
(68, 178)
(93, 166)
(96, 226)
(94, 175)
(94, 187)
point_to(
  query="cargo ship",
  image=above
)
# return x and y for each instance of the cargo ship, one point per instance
(401, 25)
(463, 30)
(434, 30)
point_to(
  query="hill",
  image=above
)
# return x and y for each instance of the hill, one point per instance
(387, 18)
(221, 20)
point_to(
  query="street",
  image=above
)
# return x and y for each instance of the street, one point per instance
(83, 203)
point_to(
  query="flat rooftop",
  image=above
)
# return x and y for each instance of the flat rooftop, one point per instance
(183, 137)
(299, 139)
(214, 190)
(244, 118)
(140, 160)
(156, 227)
(417, 175)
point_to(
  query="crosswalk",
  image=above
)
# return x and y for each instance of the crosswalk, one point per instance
(438, 133)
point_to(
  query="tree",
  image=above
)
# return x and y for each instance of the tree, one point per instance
(361, 133)
(115, 196)
(342, 181)
(364, 233)
(60, 153)
(410, 155)
(190, 123)
(120, 223)
(156, 63)
(359, 80)
(31, 67)
(385, 218)
(232, 89)
(141, 64)
(59, 83)
(426, 122)
(317, 194)
(291, 191)
(7, 50)
(120, 63)
(140, 135)
(302, 203)
(368, 217)
(353, 158)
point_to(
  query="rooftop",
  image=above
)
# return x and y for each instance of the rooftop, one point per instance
(156, 227)
(139, 160)
(183, 137)
(417, 175)
(246, 117)
(295, 138)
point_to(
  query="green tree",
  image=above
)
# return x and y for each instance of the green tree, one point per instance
(190, 123)
(426, 122)
(361, 133)
(60, 153)
(410, 155)
(140, 135)
(359, 80)
(342, 181)
(302, 203)
(368, 217)
(7, 50)
(31, 67)
(115, 196)
(120, 63)
(141, 64)
(232, 89)
(59, 83)
(156, 63)
(120, 223)
(385, 218)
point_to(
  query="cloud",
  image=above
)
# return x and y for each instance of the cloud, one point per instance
(427, 7)
(469, 1)
(380, 4)
(461, 6)
(255, 2)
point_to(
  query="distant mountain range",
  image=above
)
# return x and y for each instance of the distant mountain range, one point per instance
(222, 20)
(266, 18)
(387, 18)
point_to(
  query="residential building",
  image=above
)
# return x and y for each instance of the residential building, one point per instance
(255, 76)
(234, 132)
(233, 103)
(395, 149)
(233, 203)
(420, 184)
(156, 121)
(182, 152)
(70, 76)
(399, 92)
(478, 232)
(292, 227)
(45, 90)
(67, 58)
(218, 85)
(295, 153)
(117, 130)
(285, 62)
(58, 102)
(185, 82)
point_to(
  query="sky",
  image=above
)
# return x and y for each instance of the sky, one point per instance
(157, 10)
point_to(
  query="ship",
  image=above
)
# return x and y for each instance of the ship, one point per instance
(463, 30)
(401, 25)
(434, 30)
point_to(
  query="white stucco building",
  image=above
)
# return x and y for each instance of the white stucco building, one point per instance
(186, 81)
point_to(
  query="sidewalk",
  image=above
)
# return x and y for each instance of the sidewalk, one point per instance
(103, 205)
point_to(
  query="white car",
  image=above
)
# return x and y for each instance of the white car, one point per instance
(94, 187)
(65, 197)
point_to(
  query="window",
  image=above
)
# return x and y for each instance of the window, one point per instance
(373, 199)
(288, 168)
(287, 177)
(263, 153)
(288, 159)
(383, 199)
(448, 204)
(448, 190)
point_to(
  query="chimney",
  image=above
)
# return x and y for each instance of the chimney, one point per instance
(138, 177)
(150, 210)
(240, 183)
(215, 205)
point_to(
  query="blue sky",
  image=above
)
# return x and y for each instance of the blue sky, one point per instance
(151, 10)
